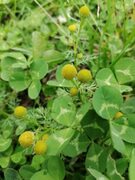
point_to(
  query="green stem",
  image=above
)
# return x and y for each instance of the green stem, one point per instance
(95, 22)
(77, 42)
(75, 84)
(80, 97)
(124, 24)
(100, 45)
(9, 11)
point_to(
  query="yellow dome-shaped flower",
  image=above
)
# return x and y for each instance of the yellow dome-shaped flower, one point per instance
(72, 27)
(73, 91)
(26, 139)
(69, 71)
(20, 111)
(84, 75)
(118, 115)
(40, 147)
(84, 11)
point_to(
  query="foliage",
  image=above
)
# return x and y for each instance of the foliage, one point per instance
(69, 67)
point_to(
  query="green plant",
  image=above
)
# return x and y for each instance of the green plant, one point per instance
(81, 125)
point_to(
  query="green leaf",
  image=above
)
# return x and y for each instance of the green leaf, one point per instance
(93, 125)
(13, 60)
(129, 149)
(21, 59)
(82, 111)
(112, 170)
(106, 77)
(4, 144)
(130, 121)
(77, 145)
(122, 165)
(7, 128)
(53, 56)
(97, 174)
(6, 67)
(34, 89)
(37, 161)
(63, 83)
(41, 175)
(4, 161)
(9, 151)
(38, 69)
(39, 44)
(132, 166)
(107, 101)
(26, 171)
(64, 110)
(32, 20)
(21, 128)
(17, 157)
(125, 71)
(96, 157)
(59, 140)
(125, 88)
(117, 141)
(11, 174)
(125, 132)
(127, 120)
(128, 106)
(55, 167)
(19, 80)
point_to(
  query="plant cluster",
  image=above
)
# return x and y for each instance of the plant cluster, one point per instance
(67, 97)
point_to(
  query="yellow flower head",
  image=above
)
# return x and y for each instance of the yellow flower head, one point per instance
(72, 27)
(84, 75)
(73, 91)
(26, 139)
(84, 11)
(20, 111)
(40, 147)
(69, 71)
(118, 115)
(45, 137)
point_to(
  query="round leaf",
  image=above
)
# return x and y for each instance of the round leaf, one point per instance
(55, 167)
(11, 174)
(4, 144)
(19, 80)
(41, 176)
(4, 161)
(58, 141)
(107, 101)
(26, 171)
(106, 77)
(34, 89)
(125, 71)
(38, 69)
(64, 110)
